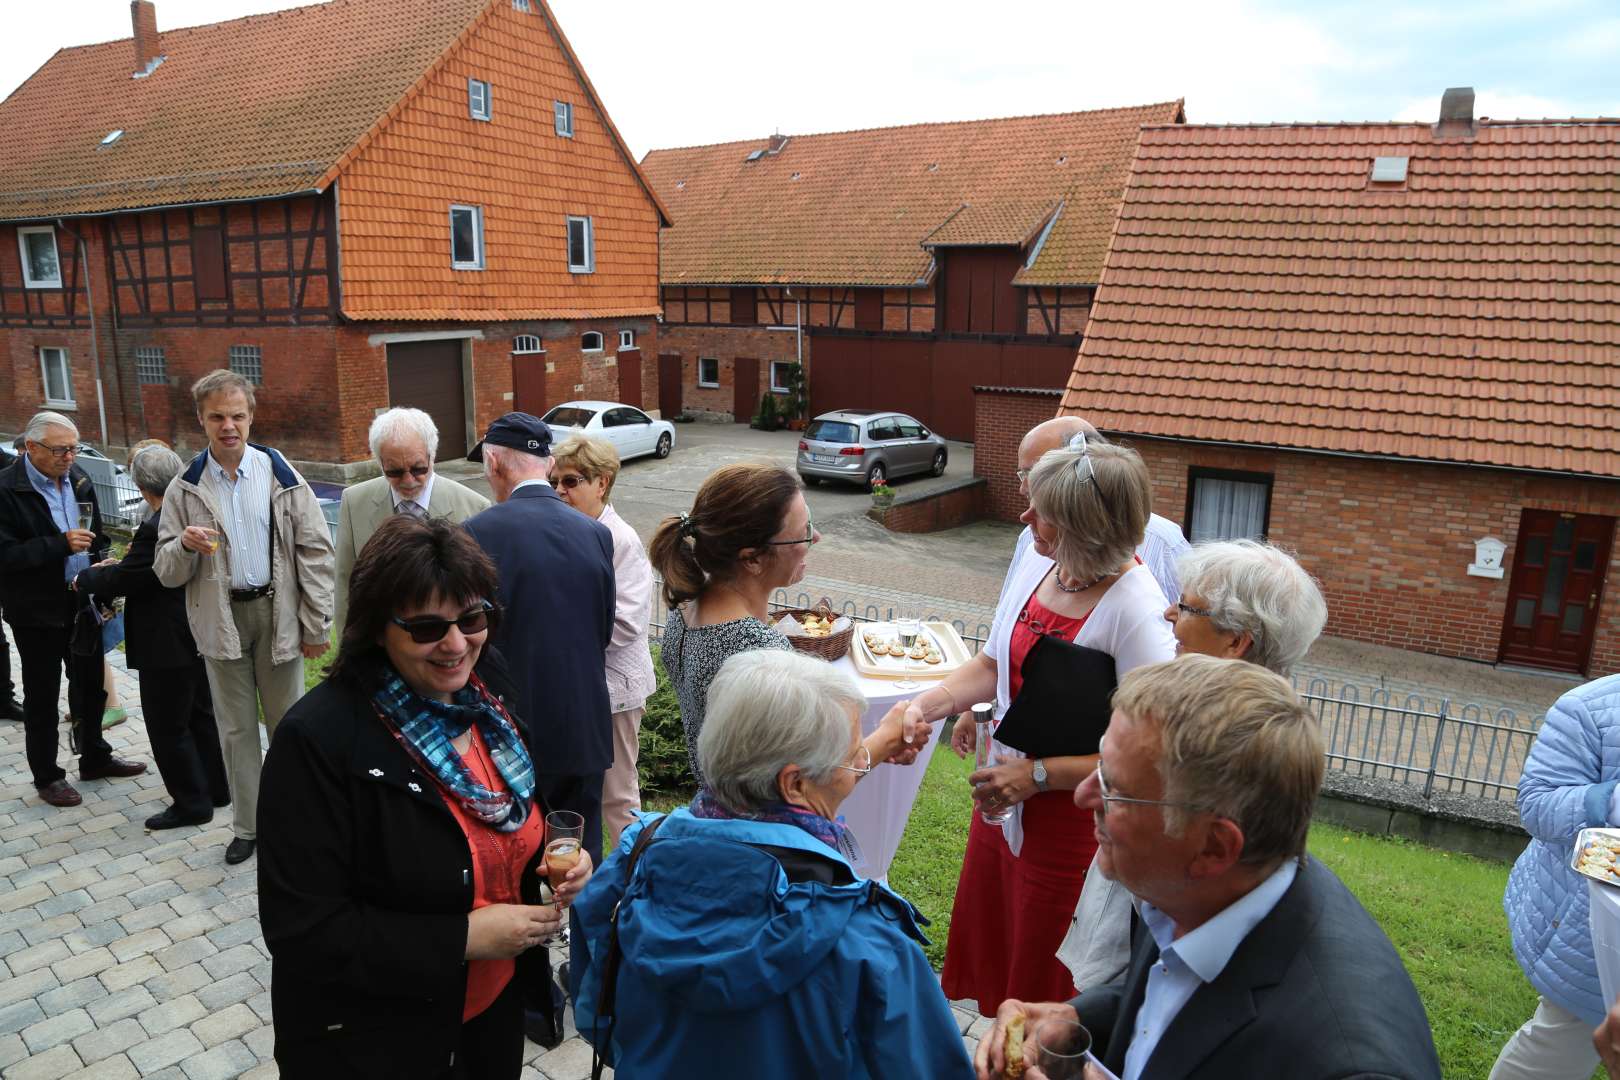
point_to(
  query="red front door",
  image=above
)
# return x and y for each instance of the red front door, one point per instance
(1556, 589)
(669, 385)
(745, 388)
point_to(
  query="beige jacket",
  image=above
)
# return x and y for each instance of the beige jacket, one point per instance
(369, 503)
(300, 563)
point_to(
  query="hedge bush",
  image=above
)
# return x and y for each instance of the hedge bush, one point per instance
(662, 763)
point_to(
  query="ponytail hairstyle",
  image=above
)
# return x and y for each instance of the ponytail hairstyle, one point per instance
(739, 507)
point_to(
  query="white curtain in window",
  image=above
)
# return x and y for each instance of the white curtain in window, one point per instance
(1228, 509)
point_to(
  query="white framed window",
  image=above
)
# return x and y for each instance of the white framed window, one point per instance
(478, 99)
(1223, 504)
(590, 341)
(41, 267)
(780, 370)
(527, 343)
(581, 246)
(248, 362)
(466, 238)
(57, 377)
(564, 113)
(708, 371)
(521, 5)
(151, 365)
(627, 339)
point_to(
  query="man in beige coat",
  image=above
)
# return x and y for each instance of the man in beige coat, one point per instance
(405, 443)
(244, 534)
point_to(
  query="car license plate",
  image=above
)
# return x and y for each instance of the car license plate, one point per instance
(824, 459)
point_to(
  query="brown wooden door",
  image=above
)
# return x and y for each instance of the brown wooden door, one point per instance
(669, 385)
(630, 377)
(529, 383)
(1556, 589)
(426, 375)
(744, 388)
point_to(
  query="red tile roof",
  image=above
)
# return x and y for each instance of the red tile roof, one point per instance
(857, 207)
(1259, 289)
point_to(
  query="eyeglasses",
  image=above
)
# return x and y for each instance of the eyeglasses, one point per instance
(1188, 609)
(864, 755)
(809, 537)
(418, 471)
(570, 481)
(1022, 475)
(59, 452)
(431, 628)
(1107, 797)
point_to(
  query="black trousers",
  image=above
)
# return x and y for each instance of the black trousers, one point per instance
(6, 687)
(491, 1045)
(44, 653)
(179, 716)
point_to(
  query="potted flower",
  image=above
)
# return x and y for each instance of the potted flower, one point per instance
(882, 496)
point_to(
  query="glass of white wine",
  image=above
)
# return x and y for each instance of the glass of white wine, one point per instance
(908, 627)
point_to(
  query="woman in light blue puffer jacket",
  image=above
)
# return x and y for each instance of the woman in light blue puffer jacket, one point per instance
(1568, 784)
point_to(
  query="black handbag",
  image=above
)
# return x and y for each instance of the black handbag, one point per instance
(1062, 708)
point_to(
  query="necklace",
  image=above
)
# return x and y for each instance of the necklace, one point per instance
(1058, 581)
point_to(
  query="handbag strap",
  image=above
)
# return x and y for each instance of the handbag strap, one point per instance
(610, 963)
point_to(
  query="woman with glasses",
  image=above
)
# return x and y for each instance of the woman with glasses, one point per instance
(747, 535)
(746, 946)
(583, 474)
(1079, 611)
(400, 836)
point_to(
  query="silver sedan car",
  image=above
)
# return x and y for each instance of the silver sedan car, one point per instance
(868, 448)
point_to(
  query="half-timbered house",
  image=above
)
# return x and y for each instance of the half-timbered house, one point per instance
(356, 204)
(899, 266)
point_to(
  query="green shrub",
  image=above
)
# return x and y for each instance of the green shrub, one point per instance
(767, 419)
(662, 763)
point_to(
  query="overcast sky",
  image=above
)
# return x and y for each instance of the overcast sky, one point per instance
(716, 70)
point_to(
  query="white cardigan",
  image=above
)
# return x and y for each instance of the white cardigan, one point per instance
(628, 660)
(1128, 624)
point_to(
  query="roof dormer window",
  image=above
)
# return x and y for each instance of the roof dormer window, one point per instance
(112, 136)
(478, 99)
(1389, 170)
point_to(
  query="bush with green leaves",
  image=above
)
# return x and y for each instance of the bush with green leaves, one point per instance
(662, 764)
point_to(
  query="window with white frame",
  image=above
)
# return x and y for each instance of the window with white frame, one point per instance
(151, 366)
(708, 371)
(57, 377)
(41, 267)
(564, 112)
(590, 341)
(781, 371)
(1226, 505)
(627, 339)
(466, 238)
(478, 99)
(248, 362)
(521, 5)
(581, 246)
(527, 343)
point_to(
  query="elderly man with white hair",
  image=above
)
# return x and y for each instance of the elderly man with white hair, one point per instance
(405, 443)
(43, 546)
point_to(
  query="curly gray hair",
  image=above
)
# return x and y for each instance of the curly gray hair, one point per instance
(1260, 590)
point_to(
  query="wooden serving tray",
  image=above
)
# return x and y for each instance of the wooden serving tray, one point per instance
(953, 651)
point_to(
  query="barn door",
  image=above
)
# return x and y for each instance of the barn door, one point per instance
(744, 388)
(669, 385)
(426, 375)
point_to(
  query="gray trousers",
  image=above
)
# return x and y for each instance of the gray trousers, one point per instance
(240, 687)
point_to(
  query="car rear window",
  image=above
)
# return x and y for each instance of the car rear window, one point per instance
(831, 431)
(564, 416)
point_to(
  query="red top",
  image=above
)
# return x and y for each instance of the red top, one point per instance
(498, 862)
(1035, 621)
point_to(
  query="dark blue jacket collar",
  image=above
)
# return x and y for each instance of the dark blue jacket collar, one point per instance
(284, 474)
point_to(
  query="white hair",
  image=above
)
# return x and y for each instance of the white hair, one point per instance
(768, 709)
(513, 461)
(1258, 589)
(395, 425)
(152, 467)
(42, 420)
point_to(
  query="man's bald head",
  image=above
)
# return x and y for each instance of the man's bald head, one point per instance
(1049, 435)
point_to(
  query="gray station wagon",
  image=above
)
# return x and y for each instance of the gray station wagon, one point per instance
(868, 448)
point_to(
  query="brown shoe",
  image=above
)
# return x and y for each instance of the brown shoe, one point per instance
(111, 769)
(60, 793)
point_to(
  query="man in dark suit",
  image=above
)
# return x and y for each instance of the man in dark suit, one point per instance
(1250, 959)
(557, 599)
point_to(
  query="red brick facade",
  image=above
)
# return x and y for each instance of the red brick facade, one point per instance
(1001, 416)
(731, 346)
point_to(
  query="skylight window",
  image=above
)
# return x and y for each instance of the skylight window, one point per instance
(112, 136)
(1389, 170)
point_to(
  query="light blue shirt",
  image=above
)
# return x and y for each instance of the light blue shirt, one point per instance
(244, 509)
(58, 495)
(1196, 958)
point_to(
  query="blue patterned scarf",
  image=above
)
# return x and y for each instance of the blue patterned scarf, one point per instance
(425, 727)
(835, 834)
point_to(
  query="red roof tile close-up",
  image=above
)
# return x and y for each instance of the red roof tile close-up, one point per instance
(866, 207)
(1262, 288)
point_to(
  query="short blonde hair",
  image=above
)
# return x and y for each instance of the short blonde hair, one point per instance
(591, 457)
(222, 380)
(1100, 513)
(1235, 740)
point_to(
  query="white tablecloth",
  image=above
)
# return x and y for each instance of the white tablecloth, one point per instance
(877, 810)
(1604, 902)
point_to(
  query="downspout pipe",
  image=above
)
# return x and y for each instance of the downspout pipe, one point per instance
(95, 348)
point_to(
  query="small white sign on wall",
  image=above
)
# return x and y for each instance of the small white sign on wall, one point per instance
(1488, 551)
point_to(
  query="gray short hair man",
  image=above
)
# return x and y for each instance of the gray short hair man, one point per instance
(405, 444)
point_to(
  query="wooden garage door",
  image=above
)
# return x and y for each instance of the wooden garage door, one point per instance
(426, 375)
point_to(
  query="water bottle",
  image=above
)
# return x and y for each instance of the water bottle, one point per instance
(984, 756)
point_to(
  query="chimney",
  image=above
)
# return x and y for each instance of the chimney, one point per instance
(1456, 113)
(143, 16)
(777, 142)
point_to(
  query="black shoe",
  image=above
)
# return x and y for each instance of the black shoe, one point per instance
(172, 818)
(239, 851)
(562, 980)
(542, 1030)
(10, 708)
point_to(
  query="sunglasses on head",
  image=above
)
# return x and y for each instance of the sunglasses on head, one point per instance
(418, 471)
(430, 628)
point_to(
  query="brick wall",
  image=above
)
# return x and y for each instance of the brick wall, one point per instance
(1000, 420)
(957, 505)
(726, 344)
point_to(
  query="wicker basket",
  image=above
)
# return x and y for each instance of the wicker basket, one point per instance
(830, 647)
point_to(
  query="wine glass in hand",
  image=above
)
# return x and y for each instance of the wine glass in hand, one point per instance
(87, 516)
(564, 832)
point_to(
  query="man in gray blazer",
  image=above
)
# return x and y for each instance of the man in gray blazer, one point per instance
(1250, 959)
(405, 443)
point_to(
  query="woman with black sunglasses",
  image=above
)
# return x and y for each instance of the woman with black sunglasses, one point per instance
(400, 836)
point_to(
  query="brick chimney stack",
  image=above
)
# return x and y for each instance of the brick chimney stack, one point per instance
(143, 16)
(1456, 113)
(777, 142)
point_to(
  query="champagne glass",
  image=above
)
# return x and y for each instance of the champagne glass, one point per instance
(1061, 1049)
(565, 831)
(218, 566)
(907, 627)
(87, 516)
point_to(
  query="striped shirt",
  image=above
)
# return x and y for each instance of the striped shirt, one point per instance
(244, 509)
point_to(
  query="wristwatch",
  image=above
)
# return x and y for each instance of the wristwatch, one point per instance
(1040, 775)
